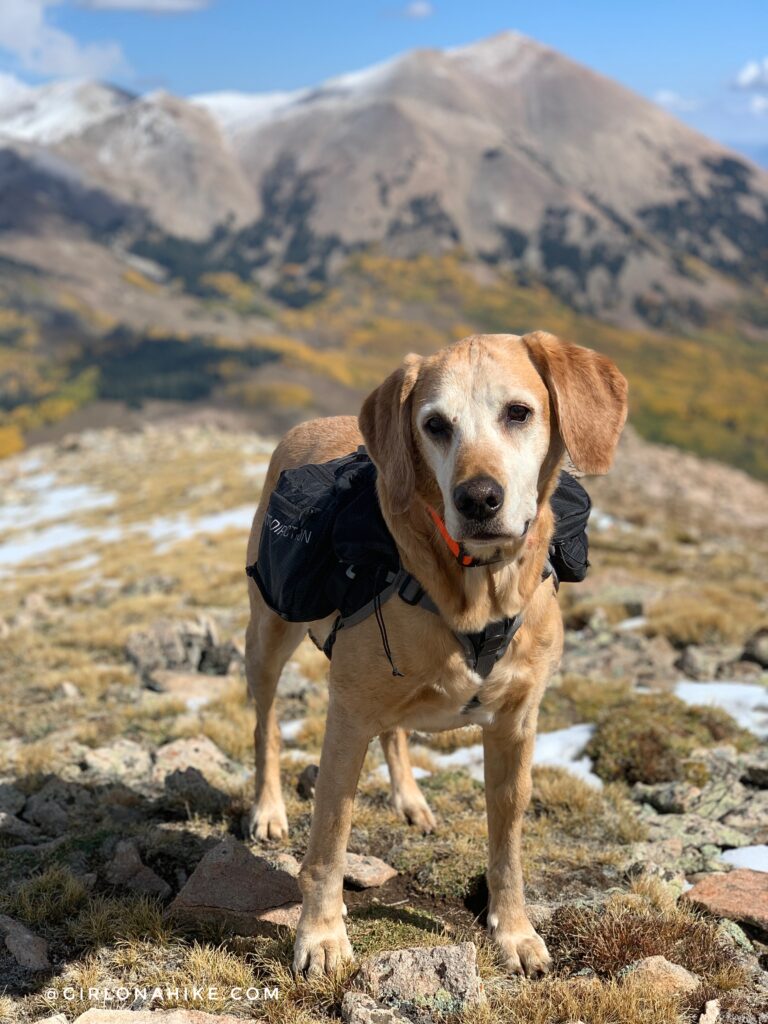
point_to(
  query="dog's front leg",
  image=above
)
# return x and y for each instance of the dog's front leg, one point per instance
(508, 759)
(321, 938)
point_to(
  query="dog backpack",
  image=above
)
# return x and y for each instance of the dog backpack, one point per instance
(325, 547)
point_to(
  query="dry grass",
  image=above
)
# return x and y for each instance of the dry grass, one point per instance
(564, 1001)
(708, 614)
(647, 737)
(50, 898)
(630, 927)
(109, 919)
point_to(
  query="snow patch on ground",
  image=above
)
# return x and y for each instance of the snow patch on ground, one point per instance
(563, 748)
(747, 703)
(754, 857)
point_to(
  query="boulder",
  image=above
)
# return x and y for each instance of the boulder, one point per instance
(662, 975)
(191, 646)
(703, 661)
(57, 805)
(11, 799)
(358, 1008)
(190, 789)
(741, 895)
(437, 978)
(196, 752)
(233, 888)
(15, 828)
(366, 872)
(124, 760)
(128, 870)
(28, 950)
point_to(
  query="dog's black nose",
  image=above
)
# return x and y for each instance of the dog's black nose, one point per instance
(479, 498)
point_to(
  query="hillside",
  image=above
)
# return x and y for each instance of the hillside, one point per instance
(126, 750)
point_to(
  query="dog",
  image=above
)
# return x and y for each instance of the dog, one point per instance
(477, 432)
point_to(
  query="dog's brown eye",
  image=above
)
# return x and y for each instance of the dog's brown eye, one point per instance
(437, 426)
(518, 413)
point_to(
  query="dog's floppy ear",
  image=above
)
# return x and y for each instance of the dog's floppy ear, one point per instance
(589, 396)
(385, 423)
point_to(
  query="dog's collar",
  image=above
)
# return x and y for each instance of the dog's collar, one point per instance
(457, 550)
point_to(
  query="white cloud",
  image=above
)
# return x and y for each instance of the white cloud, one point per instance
(151, 6)
(754, 75)
(419, 9)
(759, 104)
(38, 46)
(674, 101)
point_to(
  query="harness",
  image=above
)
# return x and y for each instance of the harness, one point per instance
(325, 547)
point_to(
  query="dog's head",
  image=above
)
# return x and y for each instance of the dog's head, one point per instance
(481, 427)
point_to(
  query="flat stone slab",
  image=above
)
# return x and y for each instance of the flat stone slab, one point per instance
(196, 689)
(439, 978)
(365, 872)
(358, 1008)
(741, 895)
(26, 948)
(663, 975)
(244, 893)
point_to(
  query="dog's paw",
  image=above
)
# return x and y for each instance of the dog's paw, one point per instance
(414, 808)
(523, 950)
(320, 950)
(267, 820)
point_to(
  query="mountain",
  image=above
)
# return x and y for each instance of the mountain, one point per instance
(505, 148)
(288, 248)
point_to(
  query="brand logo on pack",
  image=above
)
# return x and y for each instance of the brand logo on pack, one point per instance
(287, 530)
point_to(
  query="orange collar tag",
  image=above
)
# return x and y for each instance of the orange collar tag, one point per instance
(453, 546)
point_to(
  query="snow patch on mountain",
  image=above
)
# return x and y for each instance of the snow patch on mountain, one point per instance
(48, 114)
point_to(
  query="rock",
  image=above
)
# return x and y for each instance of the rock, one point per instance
(754, 768)
(718, 792)
(756, 648)
(69, 691)
(438, 978)
(285, 862)
(244, 893)
(11, 799)
(176, 645)
(734, 935)
(711, 1012)
(741, 895)
(703, 661)
(293, 684)
(127, 869)
(190, 789)
(358, 1008)
(195, 688)
(621, 655)
(221, 659)
(15, 828)
(752, 817)
(56, 805)
(197, 752)
(155, 1017)
(366, 872)
(58, 1018)
(27, 949)
(307, 781)
(124, 759)
(662, 975)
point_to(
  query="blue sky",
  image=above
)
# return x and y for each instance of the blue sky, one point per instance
(705, 60)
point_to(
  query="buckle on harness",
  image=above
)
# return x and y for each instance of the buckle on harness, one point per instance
(411, 591)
